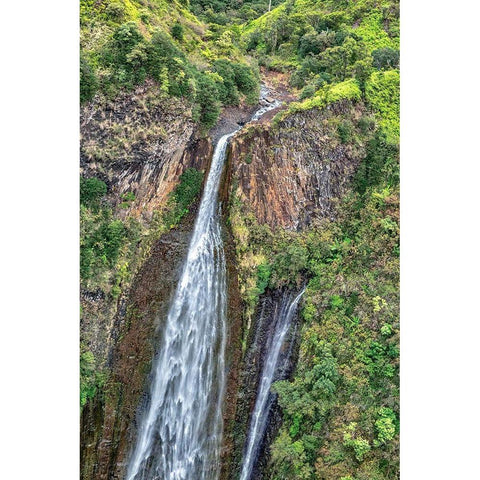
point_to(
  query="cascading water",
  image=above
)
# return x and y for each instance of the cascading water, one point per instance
(181, 432)
(263, 402)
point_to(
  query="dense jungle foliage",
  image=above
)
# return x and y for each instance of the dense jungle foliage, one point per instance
(341, 408)
(125, 42)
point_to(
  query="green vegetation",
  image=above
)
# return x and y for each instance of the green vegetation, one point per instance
(333, 50)
(183, 196)
(177, 31)
(228, 12)
(123, 43)
(104, 240)
(383, 94)
(347, 90)
(111, 248)
(91, 380)
(341, 408)
(91, 192)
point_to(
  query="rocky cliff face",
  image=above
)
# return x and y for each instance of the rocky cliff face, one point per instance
(293, 171)
(109, 423)
(140, 143)
(249, 377)
(283, 176)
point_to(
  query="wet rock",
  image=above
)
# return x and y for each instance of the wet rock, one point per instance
(249, 375)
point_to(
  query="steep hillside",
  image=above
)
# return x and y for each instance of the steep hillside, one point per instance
(330, 220)
(124, 43)
(314, 198)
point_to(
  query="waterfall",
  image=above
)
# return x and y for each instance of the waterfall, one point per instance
(180, 434)
(259, 417)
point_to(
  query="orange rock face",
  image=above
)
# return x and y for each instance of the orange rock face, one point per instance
(294, 171)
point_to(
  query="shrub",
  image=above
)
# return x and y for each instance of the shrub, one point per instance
(382, 92)
(115, 11)
(87, 377)
(208, 106)
(88, 81)
(246, 81)
(90, 379)
(351, 439)
(111, 236)
(177, 31)
(315, 43)
(125, 38)
(264, 271)
(345, 130)
(189, 187)
(168, 65)
(307, 92)
(289, 263)
(227, 88)
(386, 58)
(254, 40)
(379, 162)
(385, 425)
(127, 198)
(91, 191)
(366, 124)
(348, 90)
(182, 197)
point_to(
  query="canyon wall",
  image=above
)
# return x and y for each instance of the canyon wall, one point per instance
(294, 170)
(139, 144)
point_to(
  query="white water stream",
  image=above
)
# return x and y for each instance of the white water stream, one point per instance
(258, 422)
(180, 434)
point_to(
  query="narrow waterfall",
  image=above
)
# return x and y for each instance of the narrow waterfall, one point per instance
(269, 372)
(180, 435)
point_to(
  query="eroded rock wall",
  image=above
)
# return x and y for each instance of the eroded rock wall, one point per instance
(286, 174)
(249, 373)
(293, 171)
(140, 143)
(109, 423)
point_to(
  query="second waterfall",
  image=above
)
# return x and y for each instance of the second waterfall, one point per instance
(180, 434)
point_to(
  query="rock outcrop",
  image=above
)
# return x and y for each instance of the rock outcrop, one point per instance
(109, 423)
(290, 172)
(140, 143)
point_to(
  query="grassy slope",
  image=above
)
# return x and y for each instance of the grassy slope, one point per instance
(376, 26)
(98, 20)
